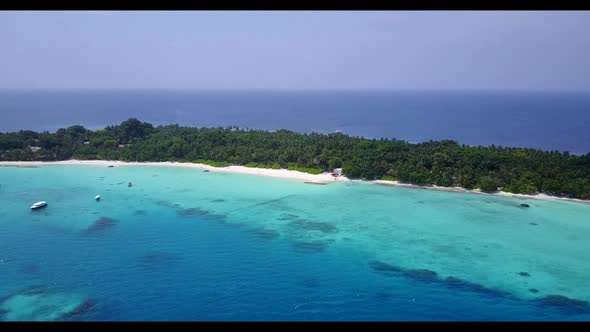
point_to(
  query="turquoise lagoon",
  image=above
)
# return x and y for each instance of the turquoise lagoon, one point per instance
(183, 244)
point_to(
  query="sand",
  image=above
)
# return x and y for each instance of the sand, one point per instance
(280, 173)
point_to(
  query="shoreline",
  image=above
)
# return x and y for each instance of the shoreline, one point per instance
(323, 178)
(280, 173)
(477, 191)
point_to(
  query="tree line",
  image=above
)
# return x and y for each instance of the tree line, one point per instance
(443, 163)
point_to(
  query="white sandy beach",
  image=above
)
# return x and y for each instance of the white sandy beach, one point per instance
(280, 173)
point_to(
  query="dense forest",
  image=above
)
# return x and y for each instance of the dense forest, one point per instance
(444, 163)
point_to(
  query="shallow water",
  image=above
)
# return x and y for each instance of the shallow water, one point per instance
(182, 244)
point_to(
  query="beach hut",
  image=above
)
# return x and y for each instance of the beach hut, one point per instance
(337, 172)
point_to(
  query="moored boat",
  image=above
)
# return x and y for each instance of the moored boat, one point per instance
(38, 205)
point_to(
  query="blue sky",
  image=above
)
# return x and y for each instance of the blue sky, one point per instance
(296, 50)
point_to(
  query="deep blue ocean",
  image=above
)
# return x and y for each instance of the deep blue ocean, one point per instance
(548, 121)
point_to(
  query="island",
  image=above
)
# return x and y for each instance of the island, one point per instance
(441, 164)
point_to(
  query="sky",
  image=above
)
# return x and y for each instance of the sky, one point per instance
(282, 50)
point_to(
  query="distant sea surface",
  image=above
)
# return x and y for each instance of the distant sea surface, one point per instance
(547, 121)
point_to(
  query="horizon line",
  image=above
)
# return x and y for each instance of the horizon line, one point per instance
(296, 89)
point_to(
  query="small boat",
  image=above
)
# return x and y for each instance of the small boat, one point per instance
(129, 184)
(97, 197)
(38, 205)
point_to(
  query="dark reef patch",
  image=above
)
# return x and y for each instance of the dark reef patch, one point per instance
(533, 290)
(456, 283)
(524, 205)
(191, 212)
(302, 225)
(155, 257)
(289, 216)
(380, 266)
(200, 213)
(268, 234)
(421, 275)
(165, 203)
(219, 200)
(220, 218)
(82, 310)
(277, 202)
(139, 213)
(429, 276)
(33, 290)
(524, 274)
(102, 224)
(564, 304)
(533, 223)
(311, 246)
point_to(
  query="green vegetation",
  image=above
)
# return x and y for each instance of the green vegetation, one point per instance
(310, 170)
(488, 184)
(387, 178)
(444, 163)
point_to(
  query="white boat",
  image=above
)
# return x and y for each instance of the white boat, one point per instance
(97, 197)
(38, 205)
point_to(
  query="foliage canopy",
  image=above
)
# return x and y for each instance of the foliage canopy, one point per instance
(444, 163)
